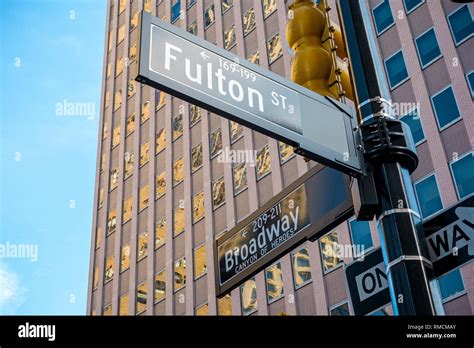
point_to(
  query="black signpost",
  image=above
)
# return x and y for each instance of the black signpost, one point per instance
(199, 72)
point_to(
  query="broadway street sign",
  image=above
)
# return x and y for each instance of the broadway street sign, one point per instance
(315, 203)
(450, 239)
(201, 73)
(450, 236)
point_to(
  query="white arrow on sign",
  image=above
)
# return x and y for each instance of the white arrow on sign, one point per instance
(454, 236)
(204, 55)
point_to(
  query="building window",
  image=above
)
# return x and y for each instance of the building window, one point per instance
(96, 278)
(224, 305)
(198, 207)
(330, 251)
(145, 111)
(382, 17)
(263, 162)
(119, 65)
(160, 286)
(274, 281)
(147, 6)
(200, 261)
(249, 21)
(127, 210)
(116, 136)
(142, 246)
(111, 222)
(109, 66)
(470, 81)
(121, 34)
(123, 308)
(226, 4)
(130, 127)
(229, 37)
(101, 198)
(396, 70)
(132, 53)
(196, 157)
(113, 178)
(190, 3)
(141, 297)
(193, 27)
(160, 233)
(428, 196)
(118, 99)
(248, 294)
(240, 177)
(427, 47)
(195, 112)
(202, 310)
(175, 11)
(177, 126)
(209, 16)
(143, 198)
(160, 141)
(301, 267)
(161, 101)
(129, 159)
(462, 174)
(178, 171)
(413, 120)
(160, 185)
(451, 284)
(340, 310)
(109, 268)
(111, 37)
(179, 274)
(411, 5)
(98, 238)
(236, 131)
(178, 223)
(107, 99)
(134, 21)
(102, 163)
(108, 310)
(361, 236)
(461, 24)
(131, 88)
(269, 6)
(274, 48)
(445, 107)
(285, 151)
(218, 193)
(125, 258)
(216, 142)
(254, 58)
(144, 153)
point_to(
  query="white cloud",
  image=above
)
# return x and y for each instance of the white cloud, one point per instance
(12, 294)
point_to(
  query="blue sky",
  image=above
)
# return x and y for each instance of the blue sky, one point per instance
(50, 53)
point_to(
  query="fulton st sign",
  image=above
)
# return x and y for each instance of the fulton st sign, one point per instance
(300, 212)
(196, 71)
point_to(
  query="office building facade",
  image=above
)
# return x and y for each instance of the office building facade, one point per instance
(165, 191)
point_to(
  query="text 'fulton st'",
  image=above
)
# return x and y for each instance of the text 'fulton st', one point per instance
(213, 79)
(207, 75)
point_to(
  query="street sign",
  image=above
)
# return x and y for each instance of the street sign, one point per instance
(368, 283)
(309, 207)
(201, 73)
(450, 236)
(450, 239)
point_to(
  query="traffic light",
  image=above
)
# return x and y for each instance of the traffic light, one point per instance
(320, 60)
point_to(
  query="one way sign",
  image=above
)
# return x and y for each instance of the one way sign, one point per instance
(450, 239)
(450, 236)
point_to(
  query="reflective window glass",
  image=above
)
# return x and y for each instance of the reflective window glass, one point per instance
(330, 251)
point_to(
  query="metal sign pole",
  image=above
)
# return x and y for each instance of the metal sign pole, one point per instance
(390, 154)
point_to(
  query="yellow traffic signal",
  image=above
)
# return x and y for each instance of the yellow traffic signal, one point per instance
(320, 60)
